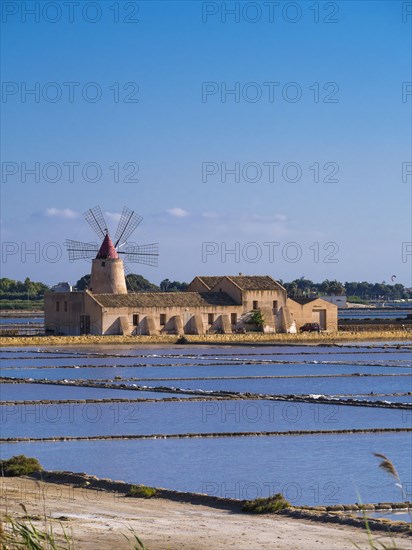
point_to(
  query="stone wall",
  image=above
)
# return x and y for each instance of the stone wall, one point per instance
(107, 277)
(62, 311)
(306, 313)
(197, 286)
(177, 320)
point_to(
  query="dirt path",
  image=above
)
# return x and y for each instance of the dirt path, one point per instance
(98, 519)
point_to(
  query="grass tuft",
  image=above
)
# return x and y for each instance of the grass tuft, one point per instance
(387, 466)
(270, 505)
(141, 491)
(135, 541)
(18, 533)
(19, 465)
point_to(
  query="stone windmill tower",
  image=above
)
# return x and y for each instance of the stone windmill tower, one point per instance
(108, 269)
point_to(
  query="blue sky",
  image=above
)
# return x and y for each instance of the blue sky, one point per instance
(336, 107)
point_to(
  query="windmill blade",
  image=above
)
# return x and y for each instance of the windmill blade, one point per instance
(129, 220)
(129, 284)
(80, 251)
(95, 219)
(127, 270)
(141, 254)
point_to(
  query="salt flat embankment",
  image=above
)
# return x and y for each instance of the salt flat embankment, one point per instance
(99, 517)
(208, 339)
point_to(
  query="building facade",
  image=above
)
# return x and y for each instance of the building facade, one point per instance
(220, 304)
(313, 310)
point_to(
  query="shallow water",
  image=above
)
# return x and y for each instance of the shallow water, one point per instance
(20, 320)
(38, 392)
(88, 419)
(370, 314)
(81, 372)
(407, 399)
(402, 515)
(296, 386)
(311, 470)
(315, 469)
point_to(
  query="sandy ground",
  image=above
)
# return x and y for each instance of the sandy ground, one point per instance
(97, 520)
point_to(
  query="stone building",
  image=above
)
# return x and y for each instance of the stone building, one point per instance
(313, 310)
(222, 304)
(253, 293)
(219, 304)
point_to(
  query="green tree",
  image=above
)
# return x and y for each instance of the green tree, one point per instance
(257, 319)
(172, 286)
(83, 282)
(164, 285)
(137, 283)
(6, 285)
(19, 289)
(292, 289)
(336, 288)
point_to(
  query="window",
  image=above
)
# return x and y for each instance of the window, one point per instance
(135, 319)
(233, 318)
(65, 306)
(210, 318)
(275, 304)
(163, 318)
(57, 306)
(255, 304)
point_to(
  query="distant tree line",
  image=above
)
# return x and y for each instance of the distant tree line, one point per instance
(364, 291)
(172, 286)
(21, 295)
(9, 287)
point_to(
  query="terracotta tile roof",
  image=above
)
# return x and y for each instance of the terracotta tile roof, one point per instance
(165, 299)
(245, 282)
(255, 282)
(210, 281)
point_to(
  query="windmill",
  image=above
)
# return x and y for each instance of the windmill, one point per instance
(107, 276)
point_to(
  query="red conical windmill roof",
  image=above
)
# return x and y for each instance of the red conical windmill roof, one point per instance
(107, 250)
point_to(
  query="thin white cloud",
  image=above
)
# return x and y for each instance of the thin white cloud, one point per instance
(210, 215)
(275, 218)
(113, 216)
(246, 218)
(65, 213)
(249, 219)
(177, 212)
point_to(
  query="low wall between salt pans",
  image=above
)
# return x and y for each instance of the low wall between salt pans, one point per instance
(328, 514)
